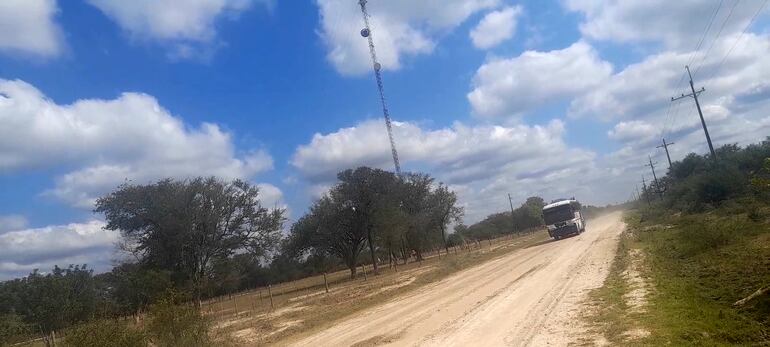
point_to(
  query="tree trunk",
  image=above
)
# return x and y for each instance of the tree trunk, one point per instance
(371, 251)
(404, 252)
(443, 236)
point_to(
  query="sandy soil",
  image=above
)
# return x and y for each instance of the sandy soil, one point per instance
(529, 297)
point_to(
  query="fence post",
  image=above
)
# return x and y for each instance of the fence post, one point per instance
(270, 292)
(363, 267)
(326, 283)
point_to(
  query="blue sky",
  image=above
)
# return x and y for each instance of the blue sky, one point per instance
(549, 98)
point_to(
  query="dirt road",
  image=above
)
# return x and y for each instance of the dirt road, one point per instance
(529, 297)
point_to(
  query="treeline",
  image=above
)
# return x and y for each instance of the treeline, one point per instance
(526, 217)
(205, 237)
(699, 182)
(375, 211)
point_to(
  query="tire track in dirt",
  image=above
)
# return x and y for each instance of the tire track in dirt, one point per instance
(531, 296)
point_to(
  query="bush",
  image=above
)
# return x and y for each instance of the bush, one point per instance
(105, 333)
(11, 326)
(172, 324)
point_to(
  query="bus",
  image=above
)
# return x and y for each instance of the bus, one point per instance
(563, 218)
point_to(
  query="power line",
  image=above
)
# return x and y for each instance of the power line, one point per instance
(703, 36)
(689, 61)
(719, 33)
(738, 39)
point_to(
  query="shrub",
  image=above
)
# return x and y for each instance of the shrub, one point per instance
(172, 324)
(11, 326)
(105, 333)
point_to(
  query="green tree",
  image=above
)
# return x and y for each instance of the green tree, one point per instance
(133, 287)
(329, 228)
(444, 210)
(184, 226)
(365, 191)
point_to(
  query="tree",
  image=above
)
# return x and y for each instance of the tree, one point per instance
(365, 190)
(760, 181)
(444, 210)
(133, 288)
(183, 226)
(328, 229)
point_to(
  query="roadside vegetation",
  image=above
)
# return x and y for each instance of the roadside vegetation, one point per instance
(693, 267)
(204, 239)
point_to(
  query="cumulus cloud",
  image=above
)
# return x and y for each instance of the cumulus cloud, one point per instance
(496, 27)
(28, 27)
(12, 222)
(482, 163)
(400, 28)
(41, 248)
(108, 142)
(632, 131)
(676, 24)
(507, 87)
(736, 90)
(188, 25)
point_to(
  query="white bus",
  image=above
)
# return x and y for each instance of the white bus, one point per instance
(563, 218)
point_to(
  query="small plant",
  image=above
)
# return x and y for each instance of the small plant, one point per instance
(175, 324)
(105, 333)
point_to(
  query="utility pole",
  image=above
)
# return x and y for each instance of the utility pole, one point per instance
(694, 95)
(638, 196)
(665, 146)
(513, 220)
(644, 190)
(657, 185)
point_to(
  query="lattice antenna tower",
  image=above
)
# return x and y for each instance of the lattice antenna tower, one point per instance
(366, 32)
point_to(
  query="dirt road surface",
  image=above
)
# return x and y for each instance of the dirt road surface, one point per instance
(530, 297)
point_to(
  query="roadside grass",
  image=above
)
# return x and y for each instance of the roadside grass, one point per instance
(303, 312)
(697, 266)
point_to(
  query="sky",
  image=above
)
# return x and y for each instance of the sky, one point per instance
(555, 98)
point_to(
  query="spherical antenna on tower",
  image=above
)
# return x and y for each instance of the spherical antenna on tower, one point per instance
(367, 33)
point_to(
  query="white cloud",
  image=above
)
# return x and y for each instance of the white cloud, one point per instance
(496, 27)
(106, 142)
(25, 250)
(12, 222)
(400, 28)
(677, 24)
(735, 103)
(632, 131)
(508, 87)
(482, 163)
(643, 90)
(270, 196)
(188, 25)
(28, 27)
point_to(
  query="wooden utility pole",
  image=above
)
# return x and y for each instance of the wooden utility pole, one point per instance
(513, 219)
(665, 146)
(694, 95)
(644, 190)
(657, 185)
(638, 196)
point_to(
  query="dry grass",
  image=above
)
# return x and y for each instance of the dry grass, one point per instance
(302, 307)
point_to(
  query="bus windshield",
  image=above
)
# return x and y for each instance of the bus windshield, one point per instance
(557, 214)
